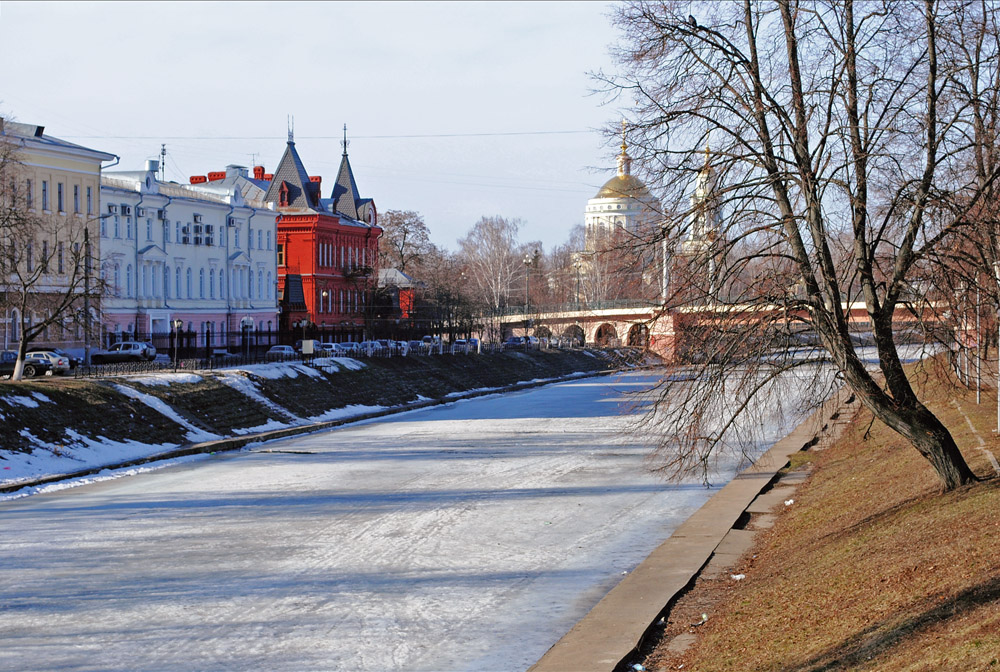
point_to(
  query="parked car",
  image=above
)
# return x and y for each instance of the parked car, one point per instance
(126, 351)
(280, 353)
(473, 345)
(415, 346)
(74, 361)
(532, 342)
(370, 347)
(32, 367)
(58, 363)
(459, 346)
(514, 342)
(350, 347)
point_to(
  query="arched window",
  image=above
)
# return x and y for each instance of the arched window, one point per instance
(211, 283)
(128, 281)
(118, 280)
(166, 282)
(201, 283)
(270, 287)
(190, 277)
(177, 282)
(260, 284)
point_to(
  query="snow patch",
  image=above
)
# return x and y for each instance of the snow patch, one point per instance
(346, 412)
(16, 399)
(166, 379)
(194, 435)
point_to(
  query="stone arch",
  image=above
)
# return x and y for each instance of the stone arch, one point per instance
(606, 335)
(542, 331)
(574, 332)
(638, 336)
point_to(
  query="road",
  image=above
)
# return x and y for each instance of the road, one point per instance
(463, 537)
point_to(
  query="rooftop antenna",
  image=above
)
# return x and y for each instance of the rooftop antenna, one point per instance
(345, 142)
(163, 162)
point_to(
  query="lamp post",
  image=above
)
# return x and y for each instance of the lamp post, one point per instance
(177, 324)
(577, 265)
(245, 324)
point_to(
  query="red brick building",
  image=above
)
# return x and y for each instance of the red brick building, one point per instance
(327, 250)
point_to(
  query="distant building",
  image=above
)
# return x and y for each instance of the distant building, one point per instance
(623, 204)
(60, 182)
(202, 253)
(327, 249)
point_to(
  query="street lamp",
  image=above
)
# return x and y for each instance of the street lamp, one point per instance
(177, 339)
(577, 264)
(246, 324)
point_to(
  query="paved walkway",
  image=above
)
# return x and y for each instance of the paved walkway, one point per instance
(615, 629)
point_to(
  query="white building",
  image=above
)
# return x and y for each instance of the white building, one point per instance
(623, 204)
(204, 254)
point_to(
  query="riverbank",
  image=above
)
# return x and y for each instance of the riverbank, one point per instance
(61, 426)
(868, 566)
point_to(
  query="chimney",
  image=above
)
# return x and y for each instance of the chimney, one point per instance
(268, 176)
(258, 172)
(152, 165)
(198, 179)
(216, 175)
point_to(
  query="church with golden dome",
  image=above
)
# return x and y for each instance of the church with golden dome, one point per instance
(623, 204)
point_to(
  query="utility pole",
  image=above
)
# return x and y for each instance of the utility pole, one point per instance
(86, 294)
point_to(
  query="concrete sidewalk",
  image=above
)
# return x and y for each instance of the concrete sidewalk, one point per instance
(616, 627)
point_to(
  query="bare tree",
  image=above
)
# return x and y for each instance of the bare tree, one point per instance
(842, 159)
(405, 241)
(490, 256)
(43, 262)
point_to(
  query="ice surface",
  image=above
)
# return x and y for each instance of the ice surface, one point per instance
(469, 536)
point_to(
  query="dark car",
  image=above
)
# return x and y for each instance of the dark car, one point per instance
(32, 367)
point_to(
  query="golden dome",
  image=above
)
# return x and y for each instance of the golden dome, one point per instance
(624, 186)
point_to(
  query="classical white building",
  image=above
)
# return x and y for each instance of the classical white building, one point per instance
(204, 254)
(622, 204)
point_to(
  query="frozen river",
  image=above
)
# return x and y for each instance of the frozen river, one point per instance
(463, 537)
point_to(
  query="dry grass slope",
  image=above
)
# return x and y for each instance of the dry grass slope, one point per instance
(872, 568)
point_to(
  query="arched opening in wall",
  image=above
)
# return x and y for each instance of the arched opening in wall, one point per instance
(574, 333)
(638, 336)
(606, 335)
(543, 332)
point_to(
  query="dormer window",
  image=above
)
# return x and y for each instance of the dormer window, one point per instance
(283, 195)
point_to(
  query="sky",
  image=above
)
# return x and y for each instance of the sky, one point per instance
(453, 110)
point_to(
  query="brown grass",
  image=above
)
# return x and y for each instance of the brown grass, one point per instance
(872, 568)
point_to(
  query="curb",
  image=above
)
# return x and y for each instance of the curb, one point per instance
(237, 442)
(616, 628)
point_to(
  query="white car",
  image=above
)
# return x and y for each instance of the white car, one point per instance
(58, 363)
(280, 353)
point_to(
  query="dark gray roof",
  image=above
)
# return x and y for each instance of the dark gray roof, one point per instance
(302, 193)
(345, 191)
(295, 296)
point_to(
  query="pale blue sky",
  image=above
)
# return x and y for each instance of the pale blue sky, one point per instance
(124, 77)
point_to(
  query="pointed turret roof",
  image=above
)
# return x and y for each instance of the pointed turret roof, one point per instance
(302, 193)
(345, 192)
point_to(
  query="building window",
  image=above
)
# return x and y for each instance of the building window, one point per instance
(269, 240)
(104, 227)
(118, 280)
(30, 257)
(45, 256)
(201, 283)
(190, 277)
(149, 229)
(45, 194)
(31, 194)
(236, 237)
(166, 282)
(128, 228)
(60, 259)
(76, 199)
(118, 227)
(281, 254)
(166, 232)
(260, 237)
(260, 284)
(90, 201)
(177, 282)
(211, 283)
(59, 197)
(128, 281)
(270, 287)
(250, 239)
